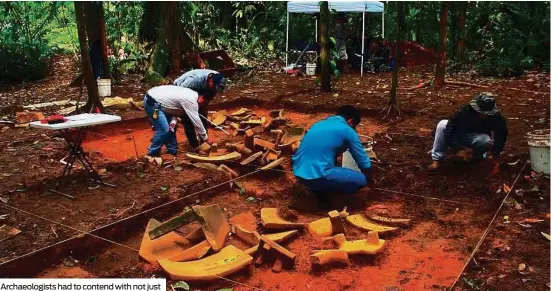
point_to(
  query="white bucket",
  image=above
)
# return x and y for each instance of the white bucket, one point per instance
(311, 69)
(104, 87)
(348, 160)
(538, 140)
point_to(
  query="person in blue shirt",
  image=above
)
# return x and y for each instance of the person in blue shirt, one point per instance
(314, 162)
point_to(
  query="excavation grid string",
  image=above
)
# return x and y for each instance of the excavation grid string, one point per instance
(114, 242)
(487, 230)
(258, 169)
(112, 223)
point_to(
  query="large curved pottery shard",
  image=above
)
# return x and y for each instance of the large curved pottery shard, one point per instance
(214, 225)
(360, 221)
(390, 221)
(170, 246)
(233, 156)
(271, 220)
(370, 246)
(228, 261)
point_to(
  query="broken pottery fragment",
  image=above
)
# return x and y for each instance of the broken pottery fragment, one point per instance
(271, 220)
(233, 156)
(274, 164)
(228, 261)
(360, 221)
(370, 246)
(389, 220)
(171, 246)
(329, 256)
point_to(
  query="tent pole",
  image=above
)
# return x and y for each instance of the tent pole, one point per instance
(383, 24)
(316, 36)
(287, 43)
(363, 44)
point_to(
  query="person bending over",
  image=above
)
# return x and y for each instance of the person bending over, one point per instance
(162, 105)
(478, 125)
(314, 162)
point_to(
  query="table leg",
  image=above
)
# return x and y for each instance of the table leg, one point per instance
(77, 152)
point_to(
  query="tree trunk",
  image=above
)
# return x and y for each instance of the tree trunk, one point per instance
(93, 97)
(453, 26)
(461, 40)
(103, 38)
(171, 43)
(227, 18)
(97, 41)
(324, 53)
(439, 78)
(174, 32)
(149, 22)
(393, 101)
(418, 21)
(159, 59)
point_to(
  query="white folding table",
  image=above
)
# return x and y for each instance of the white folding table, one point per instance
(73, 132)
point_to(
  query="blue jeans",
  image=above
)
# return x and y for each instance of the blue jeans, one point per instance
(338, 180)
(163, 135)
(479, 142)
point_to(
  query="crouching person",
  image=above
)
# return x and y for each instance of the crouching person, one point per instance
(314, 162)
(163, 104)
(478, 125)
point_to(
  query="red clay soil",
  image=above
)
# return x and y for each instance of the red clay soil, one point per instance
(429, 255)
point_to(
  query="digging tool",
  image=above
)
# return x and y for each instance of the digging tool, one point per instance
(216, 126)
(212, 221)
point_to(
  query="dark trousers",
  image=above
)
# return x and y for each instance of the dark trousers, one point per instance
(189, 129)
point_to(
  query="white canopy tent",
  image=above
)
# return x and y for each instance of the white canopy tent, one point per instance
(311, 7)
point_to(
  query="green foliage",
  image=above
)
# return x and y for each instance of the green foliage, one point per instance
(24, 49)
(511, 39)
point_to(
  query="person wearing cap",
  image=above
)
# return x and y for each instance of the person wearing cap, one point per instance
(314, 163)
(162, 104)
(206, 83)
(478, 125)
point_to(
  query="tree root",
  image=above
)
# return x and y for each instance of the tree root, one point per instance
(391, 109)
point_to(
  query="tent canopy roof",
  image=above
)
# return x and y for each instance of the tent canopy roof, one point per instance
(311, 7)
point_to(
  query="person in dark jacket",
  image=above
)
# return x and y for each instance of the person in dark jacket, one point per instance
(478, 125)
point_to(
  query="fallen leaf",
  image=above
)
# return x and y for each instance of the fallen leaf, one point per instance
(546, 236)
(178, 168)
(163, 188)
(102, 171)
(521, 266)
(506, 219)
(506, 188)
(180, 284)
(517, 205)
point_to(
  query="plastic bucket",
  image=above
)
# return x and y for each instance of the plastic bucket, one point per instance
(348, 160)
(311, 69)
(538, 140)
(104, 87)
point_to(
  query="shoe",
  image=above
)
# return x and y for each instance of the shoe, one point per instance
(435, 165)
